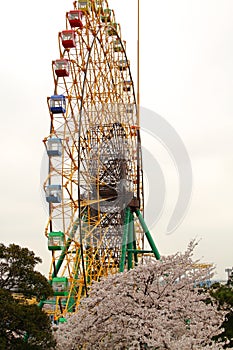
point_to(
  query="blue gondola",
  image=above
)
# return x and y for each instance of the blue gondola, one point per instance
(53, 193)
(57, 104)
(54, 147)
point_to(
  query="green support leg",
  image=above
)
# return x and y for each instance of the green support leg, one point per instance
(71, 304)
(130, 241)
(124, 239)
(147, 233)
(135, 246)
(61, 257)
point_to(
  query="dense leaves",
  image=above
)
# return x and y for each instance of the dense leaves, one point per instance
(22, 324)
(153, 306)
(224, 296)
(17, 272)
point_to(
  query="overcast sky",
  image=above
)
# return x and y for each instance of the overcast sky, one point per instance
(186, 75)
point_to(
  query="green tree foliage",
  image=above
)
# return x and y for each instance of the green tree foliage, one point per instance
(22, 325)
(17, 272)
(224, 296)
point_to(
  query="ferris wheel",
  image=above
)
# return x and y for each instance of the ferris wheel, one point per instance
(94, 185)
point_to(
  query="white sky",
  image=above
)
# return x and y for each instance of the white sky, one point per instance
(186, 77)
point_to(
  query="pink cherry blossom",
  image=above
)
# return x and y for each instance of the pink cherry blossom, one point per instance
(156, 305)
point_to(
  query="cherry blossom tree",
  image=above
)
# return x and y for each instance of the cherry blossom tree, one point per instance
(156, 305)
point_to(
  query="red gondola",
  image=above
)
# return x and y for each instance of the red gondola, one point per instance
(61, 68)
(68, 39)
(75, 18)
